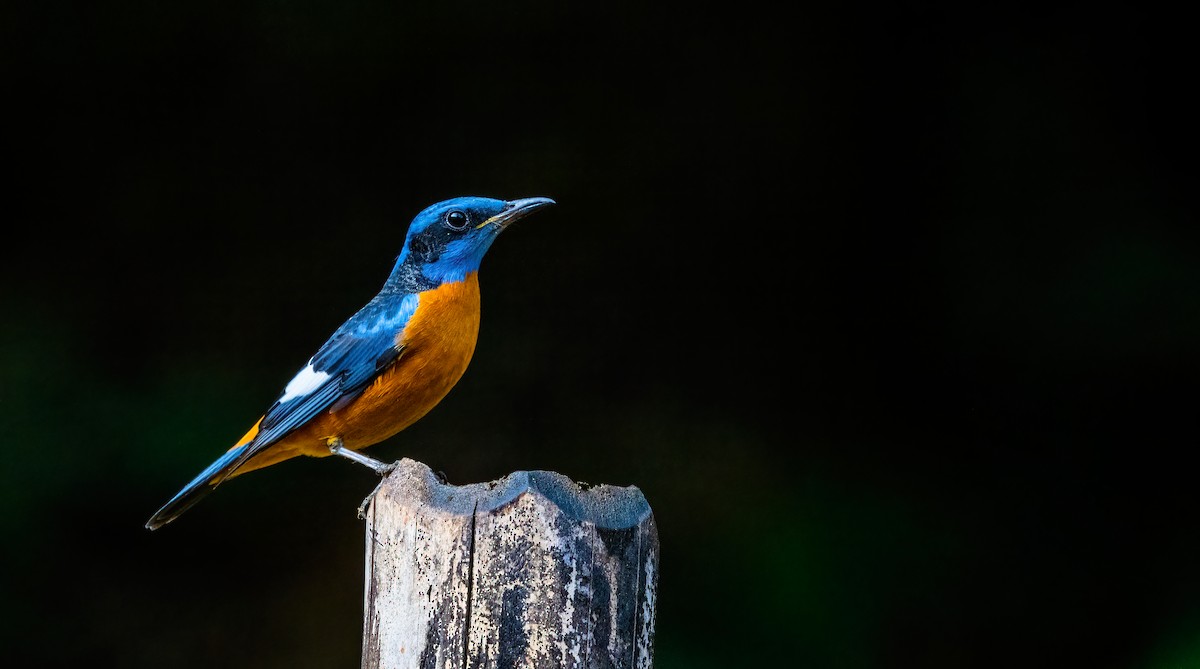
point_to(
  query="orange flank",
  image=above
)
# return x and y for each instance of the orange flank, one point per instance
(248, 436)
(437, 342)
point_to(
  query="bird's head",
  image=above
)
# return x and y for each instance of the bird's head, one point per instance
(448, 240)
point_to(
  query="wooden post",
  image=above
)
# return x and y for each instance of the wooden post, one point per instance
(531, 571)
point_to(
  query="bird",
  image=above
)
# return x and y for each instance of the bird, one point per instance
(388, 364)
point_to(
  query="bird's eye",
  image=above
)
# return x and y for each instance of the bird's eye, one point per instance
(456, 220)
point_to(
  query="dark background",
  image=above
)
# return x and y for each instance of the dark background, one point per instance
(890, 311)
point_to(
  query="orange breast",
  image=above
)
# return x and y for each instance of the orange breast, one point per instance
(438, 343)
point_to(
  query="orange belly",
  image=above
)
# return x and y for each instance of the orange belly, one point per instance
(438, 342)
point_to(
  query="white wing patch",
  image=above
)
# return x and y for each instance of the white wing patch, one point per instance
(305, 382)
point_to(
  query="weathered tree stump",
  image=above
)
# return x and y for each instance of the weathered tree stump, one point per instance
(530, 571)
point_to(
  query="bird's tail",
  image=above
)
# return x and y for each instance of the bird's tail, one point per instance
(200, 486)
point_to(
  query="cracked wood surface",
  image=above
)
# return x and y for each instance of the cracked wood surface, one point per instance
(530, 571)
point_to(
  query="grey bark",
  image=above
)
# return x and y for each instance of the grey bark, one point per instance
(532, 571)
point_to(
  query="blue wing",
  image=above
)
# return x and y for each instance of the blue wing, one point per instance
(344, 365)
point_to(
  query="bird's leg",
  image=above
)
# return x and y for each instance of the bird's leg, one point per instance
(381, 468)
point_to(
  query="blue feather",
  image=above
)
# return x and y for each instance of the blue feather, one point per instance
(197, 489)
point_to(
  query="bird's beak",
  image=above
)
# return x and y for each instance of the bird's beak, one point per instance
(516, 209)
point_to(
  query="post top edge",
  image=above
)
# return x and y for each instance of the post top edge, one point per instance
(607, 506)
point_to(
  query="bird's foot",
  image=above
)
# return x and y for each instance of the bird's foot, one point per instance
(366, 503)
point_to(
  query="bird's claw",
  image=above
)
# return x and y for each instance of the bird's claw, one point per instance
(386, 469)
(366, 503)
